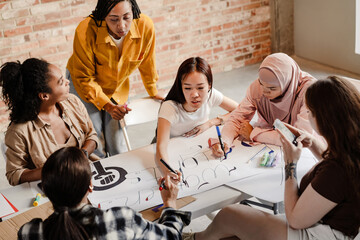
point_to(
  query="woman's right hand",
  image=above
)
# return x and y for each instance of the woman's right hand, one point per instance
(170, 192)
(117, 112)
(166, 172)
(301, 136)
(217, 151)
(315, 145)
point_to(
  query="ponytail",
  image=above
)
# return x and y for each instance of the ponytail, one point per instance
(12, 86)
(67, 223)
(21, 85)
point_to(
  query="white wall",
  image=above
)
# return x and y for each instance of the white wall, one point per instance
(324, 31)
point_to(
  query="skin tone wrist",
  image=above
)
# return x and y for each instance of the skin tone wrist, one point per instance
(108, 107)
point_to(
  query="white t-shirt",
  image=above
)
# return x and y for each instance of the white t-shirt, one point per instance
(182, 121)
(118, 43)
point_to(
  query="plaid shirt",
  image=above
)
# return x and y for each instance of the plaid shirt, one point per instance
(122, 223)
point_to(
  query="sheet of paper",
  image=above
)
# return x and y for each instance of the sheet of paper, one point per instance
(6, 207)
(270, 184)
(130, 179)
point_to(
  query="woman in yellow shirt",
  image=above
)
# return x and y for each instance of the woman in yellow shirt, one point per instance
(109, 45)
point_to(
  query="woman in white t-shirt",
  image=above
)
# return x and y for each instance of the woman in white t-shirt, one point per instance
(185, 110)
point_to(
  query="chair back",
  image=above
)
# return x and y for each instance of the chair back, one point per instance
(143, 110)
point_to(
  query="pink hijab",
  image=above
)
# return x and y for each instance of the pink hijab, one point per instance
(279, 68)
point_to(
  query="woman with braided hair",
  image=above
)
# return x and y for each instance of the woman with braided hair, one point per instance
(111, 43)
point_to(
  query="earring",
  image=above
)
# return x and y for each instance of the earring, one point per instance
(91, 187)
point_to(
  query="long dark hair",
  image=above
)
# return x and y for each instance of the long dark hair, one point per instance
(22, 84)
(66, 177)
(335, 104)
(103, 7)
(190, 65)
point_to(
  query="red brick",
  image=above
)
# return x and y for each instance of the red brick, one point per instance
(251, 6)
(66, 47)
(5, 6)
(20, 57)
(43, 52)
(55, 40)
(17, 31)
(24, 4)
(71, 21)
(24, 47)
(184, 28)
(30, 20)
(57, 15)
(5, 51)
(47, 1)
(10, 14)
(45, 26)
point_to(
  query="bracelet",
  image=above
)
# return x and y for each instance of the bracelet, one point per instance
(222, 122)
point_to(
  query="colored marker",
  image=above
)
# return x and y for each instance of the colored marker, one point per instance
(156, 209)
(162, 186)
(271, 158)
(264, 159)
(220, 140)
(37, 199)
(171, 170)
(167, 166)
(114, 102)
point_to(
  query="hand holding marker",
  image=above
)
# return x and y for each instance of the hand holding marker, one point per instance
(162, 185)
(220, 140)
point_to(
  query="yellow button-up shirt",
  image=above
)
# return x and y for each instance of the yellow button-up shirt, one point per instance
(99, 72)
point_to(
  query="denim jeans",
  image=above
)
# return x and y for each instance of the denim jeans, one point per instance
(109, 131)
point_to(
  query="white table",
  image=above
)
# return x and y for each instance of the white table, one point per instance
(267, 186)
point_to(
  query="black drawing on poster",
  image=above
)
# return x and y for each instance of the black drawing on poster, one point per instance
(108, 177)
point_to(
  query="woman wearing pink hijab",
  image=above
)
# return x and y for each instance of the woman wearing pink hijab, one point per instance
(277, 93)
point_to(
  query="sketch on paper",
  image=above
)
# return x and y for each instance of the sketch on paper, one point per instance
(130, 179)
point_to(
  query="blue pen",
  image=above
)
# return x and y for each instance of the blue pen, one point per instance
(220, 140)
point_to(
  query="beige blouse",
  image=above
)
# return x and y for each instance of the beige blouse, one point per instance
(30, 144)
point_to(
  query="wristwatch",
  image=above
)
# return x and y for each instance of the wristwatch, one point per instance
(221, 119)
(86, 153)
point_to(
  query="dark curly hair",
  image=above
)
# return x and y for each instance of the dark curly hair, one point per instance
(335, 104)
(21, 85)
(103, 7)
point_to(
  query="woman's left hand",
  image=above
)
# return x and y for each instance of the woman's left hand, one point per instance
(199, 129)
(245, 130)
(291, 152)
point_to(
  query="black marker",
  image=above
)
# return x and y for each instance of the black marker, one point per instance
(167, 166)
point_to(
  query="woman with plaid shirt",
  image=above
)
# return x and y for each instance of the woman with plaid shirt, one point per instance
(66, 180)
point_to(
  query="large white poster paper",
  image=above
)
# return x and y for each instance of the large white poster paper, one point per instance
(130, 179)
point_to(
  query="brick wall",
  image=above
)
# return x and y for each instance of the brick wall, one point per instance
(228, 33)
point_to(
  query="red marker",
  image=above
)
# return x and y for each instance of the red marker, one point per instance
(162, 186)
